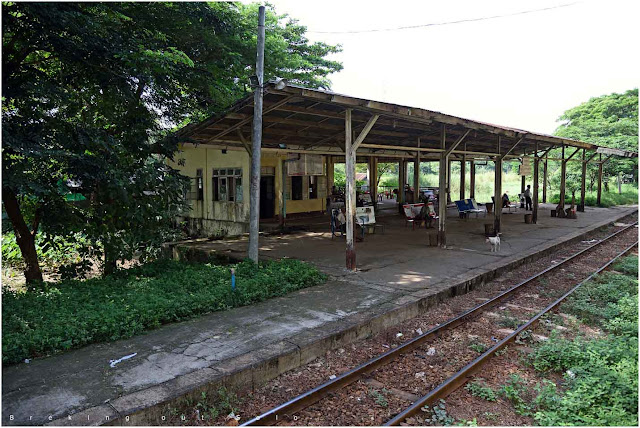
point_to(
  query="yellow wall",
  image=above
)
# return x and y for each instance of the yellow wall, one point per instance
(233, 217)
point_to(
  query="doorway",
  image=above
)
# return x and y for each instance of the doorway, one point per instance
(267, 197)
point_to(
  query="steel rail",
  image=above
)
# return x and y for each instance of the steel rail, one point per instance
(316, 394)
(461, 377)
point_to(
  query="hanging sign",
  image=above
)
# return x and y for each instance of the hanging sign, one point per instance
(525, 167)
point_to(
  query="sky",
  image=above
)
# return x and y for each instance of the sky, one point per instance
(521, 71)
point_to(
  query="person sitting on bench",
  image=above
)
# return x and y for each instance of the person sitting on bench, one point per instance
(505, 200)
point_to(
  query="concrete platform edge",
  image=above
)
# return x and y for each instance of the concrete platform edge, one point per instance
(252, 369)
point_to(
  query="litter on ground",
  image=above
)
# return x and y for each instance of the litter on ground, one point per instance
(113, 363)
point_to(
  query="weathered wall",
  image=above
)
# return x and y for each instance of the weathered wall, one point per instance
(215, 218)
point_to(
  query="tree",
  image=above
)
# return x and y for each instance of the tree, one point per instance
(384, 168)
(91, 93)
(609, 121)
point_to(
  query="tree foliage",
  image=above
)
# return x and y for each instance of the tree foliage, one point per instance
(91, 92)
(609, 121)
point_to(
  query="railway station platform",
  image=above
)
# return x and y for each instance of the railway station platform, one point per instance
(398, 276)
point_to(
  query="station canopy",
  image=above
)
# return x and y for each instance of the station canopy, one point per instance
(302, 120)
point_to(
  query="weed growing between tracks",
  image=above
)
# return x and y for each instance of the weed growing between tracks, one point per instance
(600, 373)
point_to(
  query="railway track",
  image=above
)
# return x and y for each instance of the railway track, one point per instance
(546, 289)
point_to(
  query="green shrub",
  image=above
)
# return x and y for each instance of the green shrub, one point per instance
(514, 391)
(72, 313)
(609, 302)
(628, 265)
(601, 374)
(479, 389)
(52, 250)
(602, 381)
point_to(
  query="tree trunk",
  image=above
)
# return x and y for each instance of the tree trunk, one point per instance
(110, 262)
(24, 237)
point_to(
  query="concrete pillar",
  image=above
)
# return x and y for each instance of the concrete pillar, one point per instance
(583, 182)
(442, 189)
(463, 164)
(350, 192)
(472, 179)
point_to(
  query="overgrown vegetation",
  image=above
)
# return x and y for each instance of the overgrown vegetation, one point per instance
(91, 94)
(628, 196)
(479, 389)
(600, 373)
(72, 313)
(54, 251)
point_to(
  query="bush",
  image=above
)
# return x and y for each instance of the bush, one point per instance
(628, 265)
(53, 251)
(601, 374)
(72, 313)
(628, 196)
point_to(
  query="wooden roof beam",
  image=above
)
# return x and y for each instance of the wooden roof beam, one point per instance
(364, 132)
(573, 154)
(457, 143)
(514, 146)
(247, 120)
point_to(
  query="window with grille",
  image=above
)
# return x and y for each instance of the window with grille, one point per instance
(227, 184)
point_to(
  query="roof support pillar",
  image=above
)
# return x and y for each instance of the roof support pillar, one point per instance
(373, 179)
(599, 197)
(536, 177)
(544, 179)
(283, 197)
(350, 191)
(330, 174)
(472, 179)
(563, 184)
(448, 179)
(443, 184)
(497, 193)
(401, 175)
(463, 164)
(416, 176)
(583, 181)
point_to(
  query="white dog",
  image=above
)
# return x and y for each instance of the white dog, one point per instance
(494, 242)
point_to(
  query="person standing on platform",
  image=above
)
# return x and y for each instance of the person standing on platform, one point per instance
(527, 197)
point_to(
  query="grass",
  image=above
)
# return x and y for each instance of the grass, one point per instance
(73, 313)
(511, 183)
(629, 196)
(601, 373)
(484, 183)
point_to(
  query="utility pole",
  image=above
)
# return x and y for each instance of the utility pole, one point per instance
(254, 207)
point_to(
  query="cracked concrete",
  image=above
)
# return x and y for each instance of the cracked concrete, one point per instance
(400, 276)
